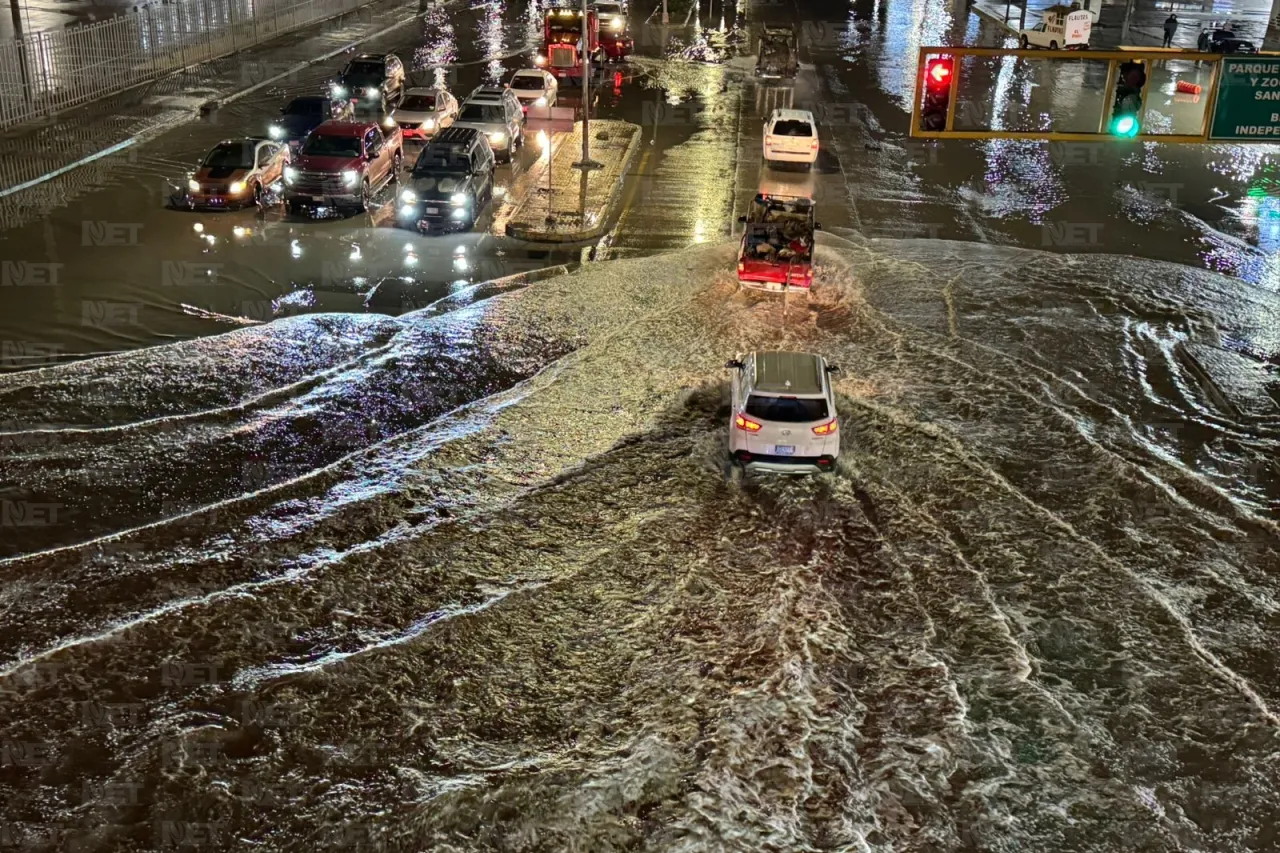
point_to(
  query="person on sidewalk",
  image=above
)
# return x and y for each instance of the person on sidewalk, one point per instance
(1170, 27)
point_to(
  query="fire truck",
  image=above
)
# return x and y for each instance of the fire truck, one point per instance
(563, 32)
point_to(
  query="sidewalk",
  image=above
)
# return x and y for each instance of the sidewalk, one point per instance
(581, 201)
(29, 154)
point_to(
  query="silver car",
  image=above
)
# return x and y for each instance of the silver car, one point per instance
(501, 121)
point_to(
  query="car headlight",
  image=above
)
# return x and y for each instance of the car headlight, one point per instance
(429, 123)
(540, 61)
(541, 102)
(409, 197)
(350, 176)
(372, 92)
(388, 122)
(497, 137)
(459, 199)
(290, 174)
(193, 185)
(275, 131)
(237, 188)
(617, 23)
(339, 91)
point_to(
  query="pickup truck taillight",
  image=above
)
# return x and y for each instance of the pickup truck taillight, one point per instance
(742, 268)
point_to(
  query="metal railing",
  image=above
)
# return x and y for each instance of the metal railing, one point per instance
(49, 71)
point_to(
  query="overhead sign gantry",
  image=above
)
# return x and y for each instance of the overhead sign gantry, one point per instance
(1155, 95)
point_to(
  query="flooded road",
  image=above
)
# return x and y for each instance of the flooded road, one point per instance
(410, 628)
(358, 552)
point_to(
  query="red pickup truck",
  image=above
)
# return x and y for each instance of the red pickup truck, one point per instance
(776, 252)
(341, 165)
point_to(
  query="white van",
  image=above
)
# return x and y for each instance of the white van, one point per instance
(1061, 29)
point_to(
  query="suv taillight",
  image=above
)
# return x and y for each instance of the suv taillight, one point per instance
(746, 424)
(825, 429)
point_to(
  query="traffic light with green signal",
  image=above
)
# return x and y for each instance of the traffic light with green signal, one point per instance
(1126, 119)
(937, 93)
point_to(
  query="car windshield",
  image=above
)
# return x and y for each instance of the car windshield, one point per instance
(237, 155)
(332, 146)
(419, 103)
(789, 127)
(365, 69)
(483, 113)
(787, 410)
(442, 159)
(305, 107)
(527, 82)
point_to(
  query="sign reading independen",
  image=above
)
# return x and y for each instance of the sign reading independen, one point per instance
(1248, 105)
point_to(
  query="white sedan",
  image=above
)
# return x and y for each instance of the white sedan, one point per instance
(424, 111)
(534, 87)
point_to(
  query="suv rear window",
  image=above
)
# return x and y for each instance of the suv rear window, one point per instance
(787, 410)
(791, 127)
(483, 113)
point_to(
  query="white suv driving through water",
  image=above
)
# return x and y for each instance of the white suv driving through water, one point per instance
(784, 413)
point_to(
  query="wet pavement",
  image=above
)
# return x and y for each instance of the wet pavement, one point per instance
(341, 548)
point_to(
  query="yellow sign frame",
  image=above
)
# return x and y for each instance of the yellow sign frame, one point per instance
(1114, 57)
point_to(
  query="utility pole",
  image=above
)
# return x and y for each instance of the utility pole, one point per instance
(587, 162)
(16, 10)
(1124, 29)
(666, 19)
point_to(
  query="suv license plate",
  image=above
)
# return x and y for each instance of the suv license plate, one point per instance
(784, 449)
(433, 210)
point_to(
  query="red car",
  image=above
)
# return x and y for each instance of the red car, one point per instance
(777, 246)
(342, 164)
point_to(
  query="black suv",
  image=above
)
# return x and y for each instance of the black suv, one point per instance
(304, 115)
(371, 80)
(450, 184)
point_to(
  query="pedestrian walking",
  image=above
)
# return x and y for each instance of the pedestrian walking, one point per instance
(1170, 27)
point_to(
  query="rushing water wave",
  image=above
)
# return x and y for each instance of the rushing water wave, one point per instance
(473, 579)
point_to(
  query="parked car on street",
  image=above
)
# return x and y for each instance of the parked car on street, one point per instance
(235, 173)
(303, 115)
(1062, 28)
(425, 111)
(341, 166)
(451, 183)
(1224, 41)
(783, 413)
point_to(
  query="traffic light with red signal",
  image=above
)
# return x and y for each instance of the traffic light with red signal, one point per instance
(938, 75)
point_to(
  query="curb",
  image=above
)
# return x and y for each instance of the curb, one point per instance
(208, 106)
(532, 235)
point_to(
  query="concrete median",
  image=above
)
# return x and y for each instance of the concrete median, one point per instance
(581, 203)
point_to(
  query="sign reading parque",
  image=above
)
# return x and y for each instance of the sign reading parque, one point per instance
(1248, 103)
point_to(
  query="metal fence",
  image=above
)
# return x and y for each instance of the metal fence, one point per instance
(50, 71)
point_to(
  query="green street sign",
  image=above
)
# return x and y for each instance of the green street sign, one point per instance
(1248, 104)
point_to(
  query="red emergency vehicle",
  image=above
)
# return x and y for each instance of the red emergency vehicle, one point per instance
(560, 55)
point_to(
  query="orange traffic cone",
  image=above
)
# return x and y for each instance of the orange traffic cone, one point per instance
(1188, 88)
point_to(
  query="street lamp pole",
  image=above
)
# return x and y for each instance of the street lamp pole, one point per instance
(587, 162)
(666, 19)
